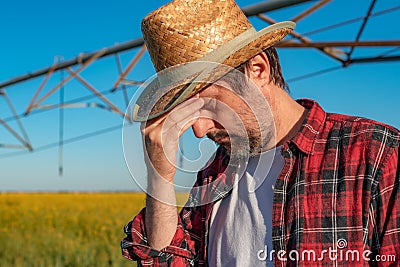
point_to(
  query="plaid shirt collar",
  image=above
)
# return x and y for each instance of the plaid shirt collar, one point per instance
(311, 127)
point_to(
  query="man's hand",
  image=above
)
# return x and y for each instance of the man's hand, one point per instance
(161, 137)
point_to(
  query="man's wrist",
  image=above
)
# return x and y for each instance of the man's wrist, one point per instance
(161, 189)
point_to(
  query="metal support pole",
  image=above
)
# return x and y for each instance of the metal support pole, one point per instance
(61, 131)
(287, 44)
(131, 64)
(310, 10)
(21, 126)
(119, 66)
(267, 6)
(371, 7)
(304, 41)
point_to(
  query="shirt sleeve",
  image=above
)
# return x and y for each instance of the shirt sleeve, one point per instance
(385, 210)
(181, 251)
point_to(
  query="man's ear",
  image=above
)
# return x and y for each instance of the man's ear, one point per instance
(259, 69)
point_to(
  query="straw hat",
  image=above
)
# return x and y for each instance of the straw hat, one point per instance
(185, 31)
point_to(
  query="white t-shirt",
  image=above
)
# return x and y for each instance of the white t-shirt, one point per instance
(241, 224)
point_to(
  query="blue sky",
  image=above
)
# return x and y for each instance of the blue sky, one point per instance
(34, 32)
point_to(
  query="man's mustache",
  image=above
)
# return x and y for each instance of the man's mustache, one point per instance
(217, 135)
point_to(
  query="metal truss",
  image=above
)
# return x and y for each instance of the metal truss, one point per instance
(22, 138)
(74, 67)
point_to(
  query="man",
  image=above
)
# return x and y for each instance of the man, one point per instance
(290, 184)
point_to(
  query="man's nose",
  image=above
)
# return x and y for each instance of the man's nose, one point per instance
(202, 126)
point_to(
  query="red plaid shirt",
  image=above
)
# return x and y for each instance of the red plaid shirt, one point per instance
(338, 192)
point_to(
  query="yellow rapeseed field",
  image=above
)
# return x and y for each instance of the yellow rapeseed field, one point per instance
(65, 229)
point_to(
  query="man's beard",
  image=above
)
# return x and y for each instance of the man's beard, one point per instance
(239, 147)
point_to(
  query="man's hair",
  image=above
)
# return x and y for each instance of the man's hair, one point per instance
(276, 76)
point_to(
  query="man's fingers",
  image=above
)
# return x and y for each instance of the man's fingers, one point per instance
(153, 122)
(186, 108)
(175, 115)
(174, 130)
(182, 114)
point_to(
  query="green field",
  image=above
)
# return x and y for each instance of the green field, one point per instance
(65, 229)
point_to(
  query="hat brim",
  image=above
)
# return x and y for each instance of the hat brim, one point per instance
(154, 102)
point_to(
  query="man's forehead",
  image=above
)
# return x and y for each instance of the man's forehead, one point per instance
(216, 90)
